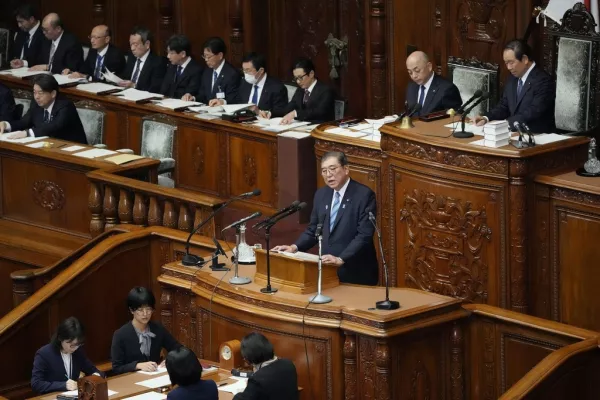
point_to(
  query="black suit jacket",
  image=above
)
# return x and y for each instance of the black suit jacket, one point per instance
(319, 108)
(114, 61)
(152, 74)
(275, 381)
(69, 54)
(34, 54)
(442, 95)
(7, 104)
(188, 82)
(273, 95)
(352, 236)
(202, 390)
(64, 121)
(228, 82)
(125, 349)
(535, 105)
(49, 374)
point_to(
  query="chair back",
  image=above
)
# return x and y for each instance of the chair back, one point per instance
(86, 51)
(470, 75)
(92, 116)
(291, 90)
(340, 108)
(158, 137)
(4, 45)
(23, 98)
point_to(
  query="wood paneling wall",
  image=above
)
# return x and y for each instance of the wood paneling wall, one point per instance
(379, 34)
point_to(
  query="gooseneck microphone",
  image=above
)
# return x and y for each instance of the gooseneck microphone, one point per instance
(462, 134)
(243, 220)
(475, 96)
(261, 224)
(191, 260)
(386, 304)
(416, 108)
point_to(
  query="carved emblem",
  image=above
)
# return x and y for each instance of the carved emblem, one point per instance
(482, 20)
(48, 195)
(249, 170)
(198, 160)
(446, 239)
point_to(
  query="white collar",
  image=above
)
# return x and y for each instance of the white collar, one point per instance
(50, 107)
(33, 30)
(342, 190)
(524, 77)
(261, 84)
(57, 41)
(145, 56)
(311, 87)
(219, 68)
(429, 82)
(103, 52)
(185, 64)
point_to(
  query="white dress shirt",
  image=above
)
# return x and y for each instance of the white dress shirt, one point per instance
(142, 63)
(55, 44)
(260, 85)
(526, 74)
(68, 362)
(218, 70)
(342, 191)
(427, 86)
(31, 33)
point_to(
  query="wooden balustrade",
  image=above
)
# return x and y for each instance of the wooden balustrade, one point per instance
(110, 203)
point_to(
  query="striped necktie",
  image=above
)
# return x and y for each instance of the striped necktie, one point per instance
(334, 210)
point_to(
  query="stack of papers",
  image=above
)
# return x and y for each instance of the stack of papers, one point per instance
(300, 255)
(236, 387)
(545, 138)
(23, 72)
(175, 104)
(274, 124)
(94, 153)
(160, 370)
(347, 132)
(65, 80)
(72, 148)
(137, 95)
(4, 138)
(218, 110)
(98, 88)
(155, 383)
(496, 134)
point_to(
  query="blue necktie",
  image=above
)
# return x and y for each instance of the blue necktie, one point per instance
(422, 96)
(178, 73)
(215, 77)
(98, 66)
(519, 88)
(46, 116)
(334, 210)
(136, 73)
(255, 95)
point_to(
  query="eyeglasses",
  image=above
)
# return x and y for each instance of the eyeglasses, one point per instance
(298, 78)
(74, 345)
(206, 58)
(145, 310)
(330, 170)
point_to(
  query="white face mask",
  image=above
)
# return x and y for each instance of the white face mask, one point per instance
(251, 79)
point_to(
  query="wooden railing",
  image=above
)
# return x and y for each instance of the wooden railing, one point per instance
(115, 200)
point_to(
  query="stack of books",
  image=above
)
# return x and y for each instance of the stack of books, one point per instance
(496, 134)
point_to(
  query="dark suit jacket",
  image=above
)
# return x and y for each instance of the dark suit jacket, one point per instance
(7, 104)
(274, 94)
(64, 121)
(34, 54)
(319, 108)
(352, 236)
(125, 350)
(203, 390)
(276, 381)
(228, 82)
(442, 95)
(114, 60)
(49, 374)
(69, 54)
(535, 105)
(188, 82)
(152, 73)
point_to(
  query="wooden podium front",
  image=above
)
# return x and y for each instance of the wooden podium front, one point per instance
(293, 275)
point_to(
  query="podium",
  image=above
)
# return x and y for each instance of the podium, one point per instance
(293, 274)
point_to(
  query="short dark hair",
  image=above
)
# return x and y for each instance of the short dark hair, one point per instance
(258, 60)
(256, 348)
(26, 11)
(144, 33)
(520, 47)
(216, 45)
(338, 155)
(70, 329)
(139, 297)
(179, 43)
(306, 64)
(46, 82)
(183, 367)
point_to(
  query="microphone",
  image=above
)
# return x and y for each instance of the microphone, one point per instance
(483, 97)
(241, 221)
(319, 230)
(476, 95)
(416, 108)
(462, 134)
(190, 260)
(287, 214)
(386, 304)
(261, 224)
(531, 135)
(403, 113)
(517, 126)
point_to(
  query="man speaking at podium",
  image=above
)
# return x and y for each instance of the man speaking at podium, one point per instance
(342, 209)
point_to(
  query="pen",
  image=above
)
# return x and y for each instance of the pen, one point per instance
(222, 384)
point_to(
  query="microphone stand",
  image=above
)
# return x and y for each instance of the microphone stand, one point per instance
(386, 304)
(320, 298)
(462, 134)
(238, 280)
(268, 288)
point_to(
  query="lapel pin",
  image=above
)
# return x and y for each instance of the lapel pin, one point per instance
(344, 206)
(326, 207)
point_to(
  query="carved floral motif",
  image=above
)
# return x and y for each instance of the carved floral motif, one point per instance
(48, 195)
(198, 160)
(250, 170)
(420, 383)
(477, 21)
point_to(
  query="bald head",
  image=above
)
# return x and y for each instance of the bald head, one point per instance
(100, 37)
(419, 67)
(52, 26)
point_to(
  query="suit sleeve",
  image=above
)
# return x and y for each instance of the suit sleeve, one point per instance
(365, 230)
(321, 111)
(117, 356)
(194, 83)
(233, 88)
(294, 104)
(25, 122)
(86, 66)
(542, 105)
(58, 123)
(38, 377)
(158, 74)
(501, 111)
(7, 106)
(164, 87)
(253, 391)
(87, 367)
(451, 98)
(307, 239)
(280, 98)
(74, 58)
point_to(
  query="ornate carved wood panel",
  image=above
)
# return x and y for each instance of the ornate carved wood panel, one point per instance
(199, 149)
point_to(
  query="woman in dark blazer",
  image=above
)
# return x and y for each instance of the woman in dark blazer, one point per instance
(57, 365)
(185, 371)
(137, 344)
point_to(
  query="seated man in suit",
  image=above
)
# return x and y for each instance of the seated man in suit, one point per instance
(273, 378)
(314, 101)
(145, 70)
(62, 49)
(529, 92)
(49, 115)
(26, 50)
(184, 73)
(7, 104)
(102, 56)
(431, 91)
(220, 80)
(342, 209)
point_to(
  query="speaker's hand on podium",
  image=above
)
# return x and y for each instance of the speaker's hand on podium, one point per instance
(287, 249)
(329, 259)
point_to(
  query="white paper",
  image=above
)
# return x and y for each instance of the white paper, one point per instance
(274, 124)
(231, 108)
(208, 109)
(361, 127)
(25, 72)
(173, 104)
(295, 134)
(4, 138)
(75, 393)
(97, 87)
(545, 138)
(488, 143)
(111, 77)
(137, 95)
(65, 80)
(477, 130)
(300, 255)
(207, 116)
(385, 120)
(148, 396)
(37, 145)
(161, 370)
(556, 8)
(156, 382)
(73, 148)
(93, 153)
(235, 388)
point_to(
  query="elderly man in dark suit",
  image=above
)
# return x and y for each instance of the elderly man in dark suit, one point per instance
(26, 50)
(342, 210)
(529, 92)
(183, 75)
(49, 115)
(431, 91)
(145, 70)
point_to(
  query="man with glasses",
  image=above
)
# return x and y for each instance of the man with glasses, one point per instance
(220, 81)
(26, 51)
(341, 209)
(183, 75)
(102, 56)
(314, 101)
(62, 49)
(145, 70)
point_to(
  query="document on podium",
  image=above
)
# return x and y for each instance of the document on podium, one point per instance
(300, 255)
(65, 80)
(137, 95)
(23, 72)
(99, 88)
